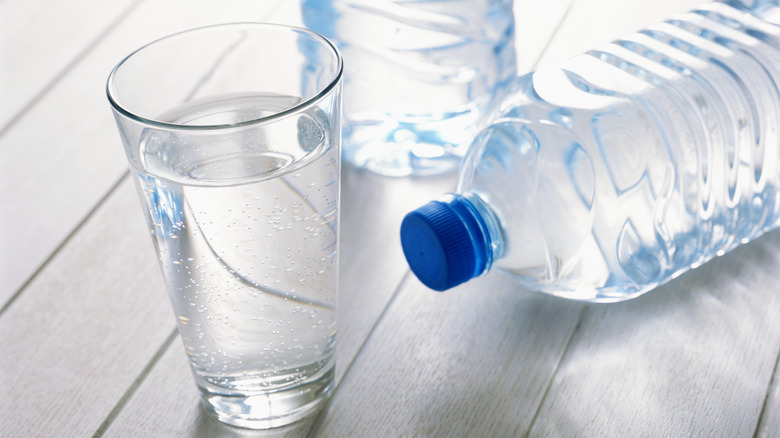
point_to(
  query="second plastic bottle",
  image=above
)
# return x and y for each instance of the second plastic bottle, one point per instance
(419, 76)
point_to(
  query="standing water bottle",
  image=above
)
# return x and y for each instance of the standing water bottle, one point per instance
(419, 76)
(621, 168)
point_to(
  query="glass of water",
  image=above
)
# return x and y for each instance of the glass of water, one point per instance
(232, 133)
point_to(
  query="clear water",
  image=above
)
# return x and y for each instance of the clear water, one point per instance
(419, 76)
(635, 162)
(246, 226)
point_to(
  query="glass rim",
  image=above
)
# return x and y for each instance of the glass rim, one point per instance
(302, 105)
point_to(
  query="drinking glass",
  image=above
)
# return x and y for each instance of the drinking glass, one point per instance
(232, 134)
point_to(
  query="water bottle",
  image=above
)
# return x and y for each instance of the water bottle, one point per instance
(618, 170)
(420, 76)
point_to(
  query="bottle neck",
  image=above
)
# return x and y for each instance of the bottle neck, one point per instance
(451, 240)
(487, 221)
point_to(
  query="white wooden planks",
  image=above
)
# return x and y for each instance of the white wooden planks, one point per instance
(473, 361)
(94, 318)
(63, 155)
(85, 328)
(769, 422)
(40, 40)
(693, 358)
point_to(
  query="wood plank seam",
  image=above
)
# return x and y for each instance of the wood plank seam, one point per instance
(273, 11)
(64, 242)
(564, 353)
(136, 384)
(760, 426)
(552, 35)
(70, 66)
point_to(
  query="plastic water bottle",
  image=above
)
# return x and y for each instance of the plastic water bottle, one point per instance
(420, 76)
(621, 168)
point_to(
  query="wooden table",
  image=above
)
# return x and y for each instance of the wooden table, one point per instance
(88, 344)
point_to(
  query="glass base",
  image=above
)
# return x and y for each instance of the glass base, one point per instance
(270, 409)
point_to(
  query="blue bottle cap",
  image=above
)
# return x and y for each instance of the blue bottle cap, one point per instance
(445, 243)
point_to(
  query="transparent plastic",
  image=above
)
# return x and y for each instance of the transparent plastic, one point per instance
(618, 170)
(420, 76)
